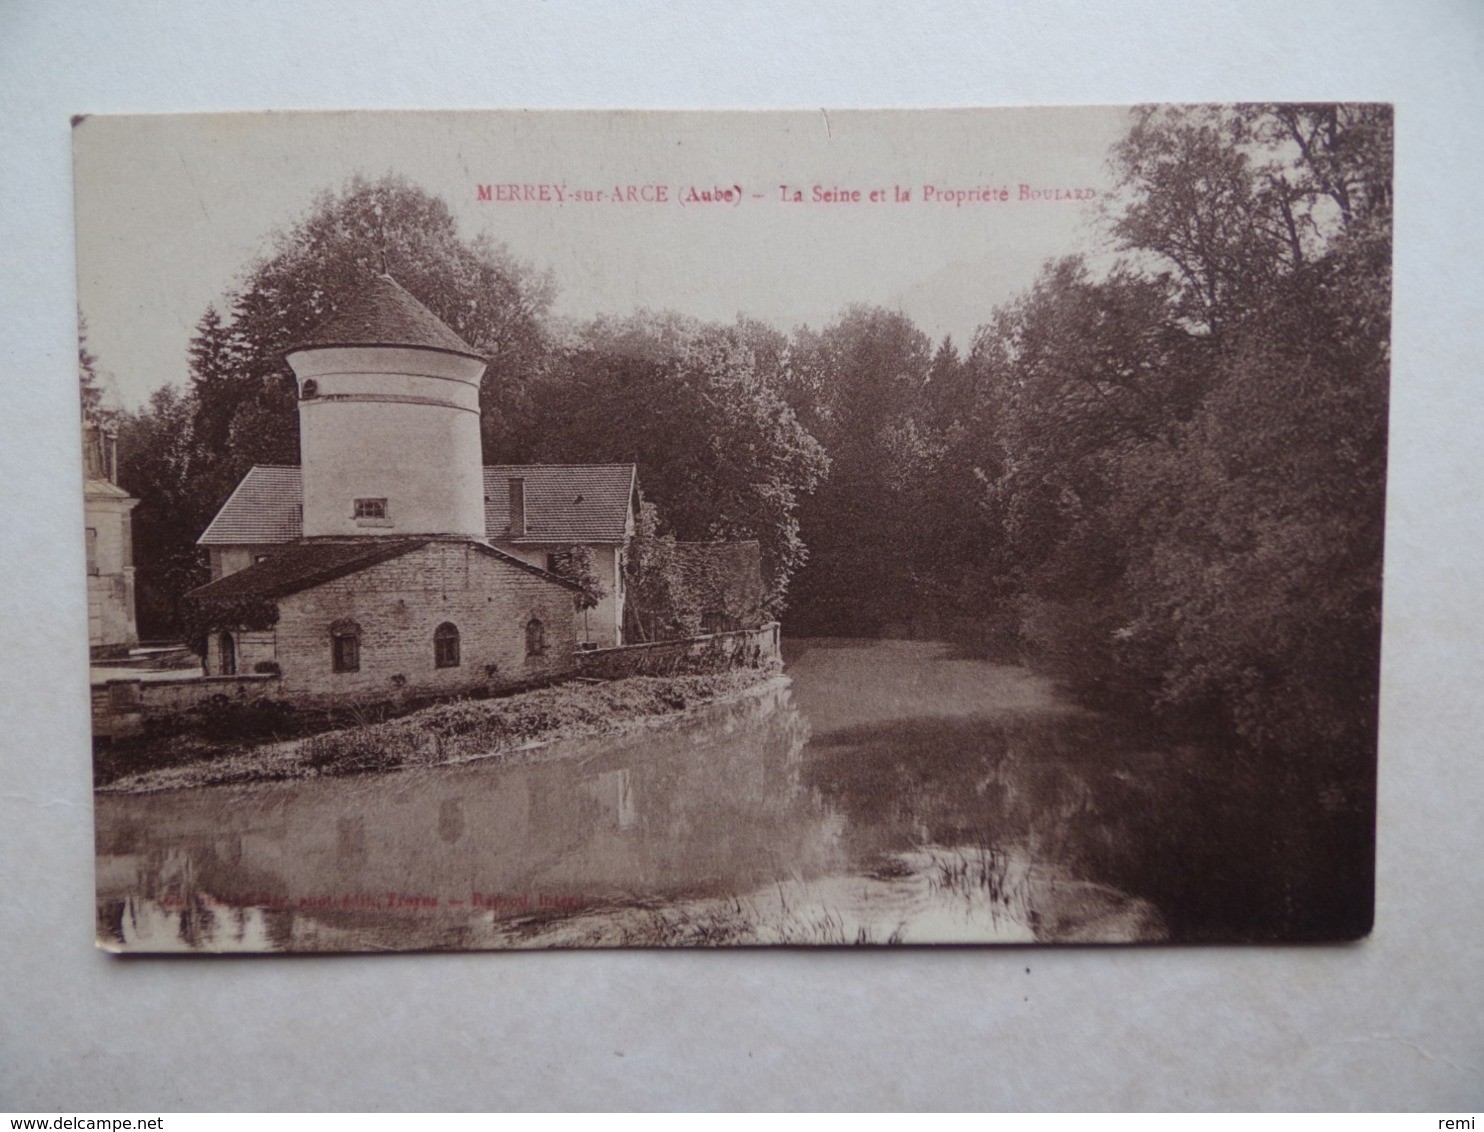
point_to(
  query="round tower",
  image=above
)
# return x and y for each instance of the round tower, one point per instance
(389, 421)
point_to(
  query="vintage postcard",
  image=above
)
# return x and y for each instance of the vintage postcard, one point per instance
(630, 529)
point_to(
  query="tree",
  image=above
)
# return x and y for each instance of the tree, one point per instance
(660, 599)
(697, 406)
(185, 454)
(1192, 199)
(1259, 583)
(1261, 514)
(159, 461)
(860, 385)
(1192, 447)
(87, 374)
(577, 565)
(100, 431)
(245, 391)
(1076, 371)
(1236, 199)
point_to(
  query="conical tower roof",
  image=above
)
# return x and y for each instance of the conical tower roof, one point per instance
(383, 313)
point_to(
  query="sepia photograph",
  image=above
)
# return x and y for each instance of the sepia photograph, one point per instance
(687, 529)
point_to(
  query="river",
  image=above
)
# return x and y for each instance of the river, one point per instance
(884, 792)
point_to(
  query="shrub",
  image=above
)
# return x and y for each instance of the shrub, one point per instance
(254, 719)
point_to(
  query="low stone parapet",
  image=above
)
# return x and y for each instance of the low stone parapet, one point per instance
(712, 652)
(121, 706)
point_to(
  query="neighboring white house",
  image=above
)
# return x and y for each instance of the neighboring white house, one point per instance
(110, 549)
(540, 512)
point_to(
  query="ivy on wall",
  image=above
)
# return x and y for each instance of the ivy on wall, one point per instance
(201, 617)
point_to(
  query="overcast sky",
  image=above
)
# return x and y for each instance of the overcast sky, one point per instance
(172, 211)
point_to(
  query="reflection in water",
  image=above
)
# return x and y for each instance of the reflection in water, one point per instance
(888, 793)
(472, 855)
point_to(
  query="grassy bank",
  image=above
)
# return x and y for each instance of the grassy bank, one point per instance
(443, 733)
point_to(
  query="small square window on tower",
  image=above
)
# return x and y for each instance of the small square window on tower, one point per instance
(371, 512)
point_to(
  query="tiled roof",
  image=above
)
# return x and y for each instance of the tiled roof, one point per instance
(565, 503)
(579, 503)
(383, 313)
(265, 508)
(304, 565)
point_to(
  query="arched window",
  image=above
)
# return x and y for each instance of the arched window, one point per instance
(535, 637)
(345, 646)
(446, 646)
(228, 655)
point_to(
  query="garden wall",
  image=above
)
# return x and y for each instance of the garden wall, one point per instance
(120, 707)
(713, 652)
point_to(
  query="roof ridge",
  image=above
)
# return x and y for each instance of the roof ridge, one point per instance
(375, 553)
(259, 577)
(505, 556)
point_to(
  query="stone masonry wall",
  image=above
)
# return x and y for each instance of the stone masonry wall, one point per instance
(121, 707)
(398, 604)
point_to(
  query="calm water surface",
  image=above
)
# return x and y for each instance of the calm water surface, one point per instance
(885, 792)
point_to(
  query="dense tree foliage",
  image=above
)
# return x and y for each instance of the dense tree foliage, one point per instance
(579, 566)
(160, 463)
(700, 409)
(1250, 529)
(857, 385)
(660, 599)
(1162, 482)
(245, 406)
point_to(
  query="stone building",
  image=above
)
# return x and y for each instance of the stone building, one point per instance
(107, 510)
(374, 618)
(537, 512)
(372, 572)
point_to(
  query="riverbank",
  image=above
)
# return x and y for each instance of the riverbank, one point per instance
(885, 791)
(463, 730)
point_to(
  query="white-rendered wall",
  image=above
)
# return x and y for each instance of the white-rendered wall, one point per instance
(390, 423)
(111, 571)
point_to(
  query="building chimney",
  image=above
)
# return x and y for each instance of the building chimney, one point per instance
(517, 507)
